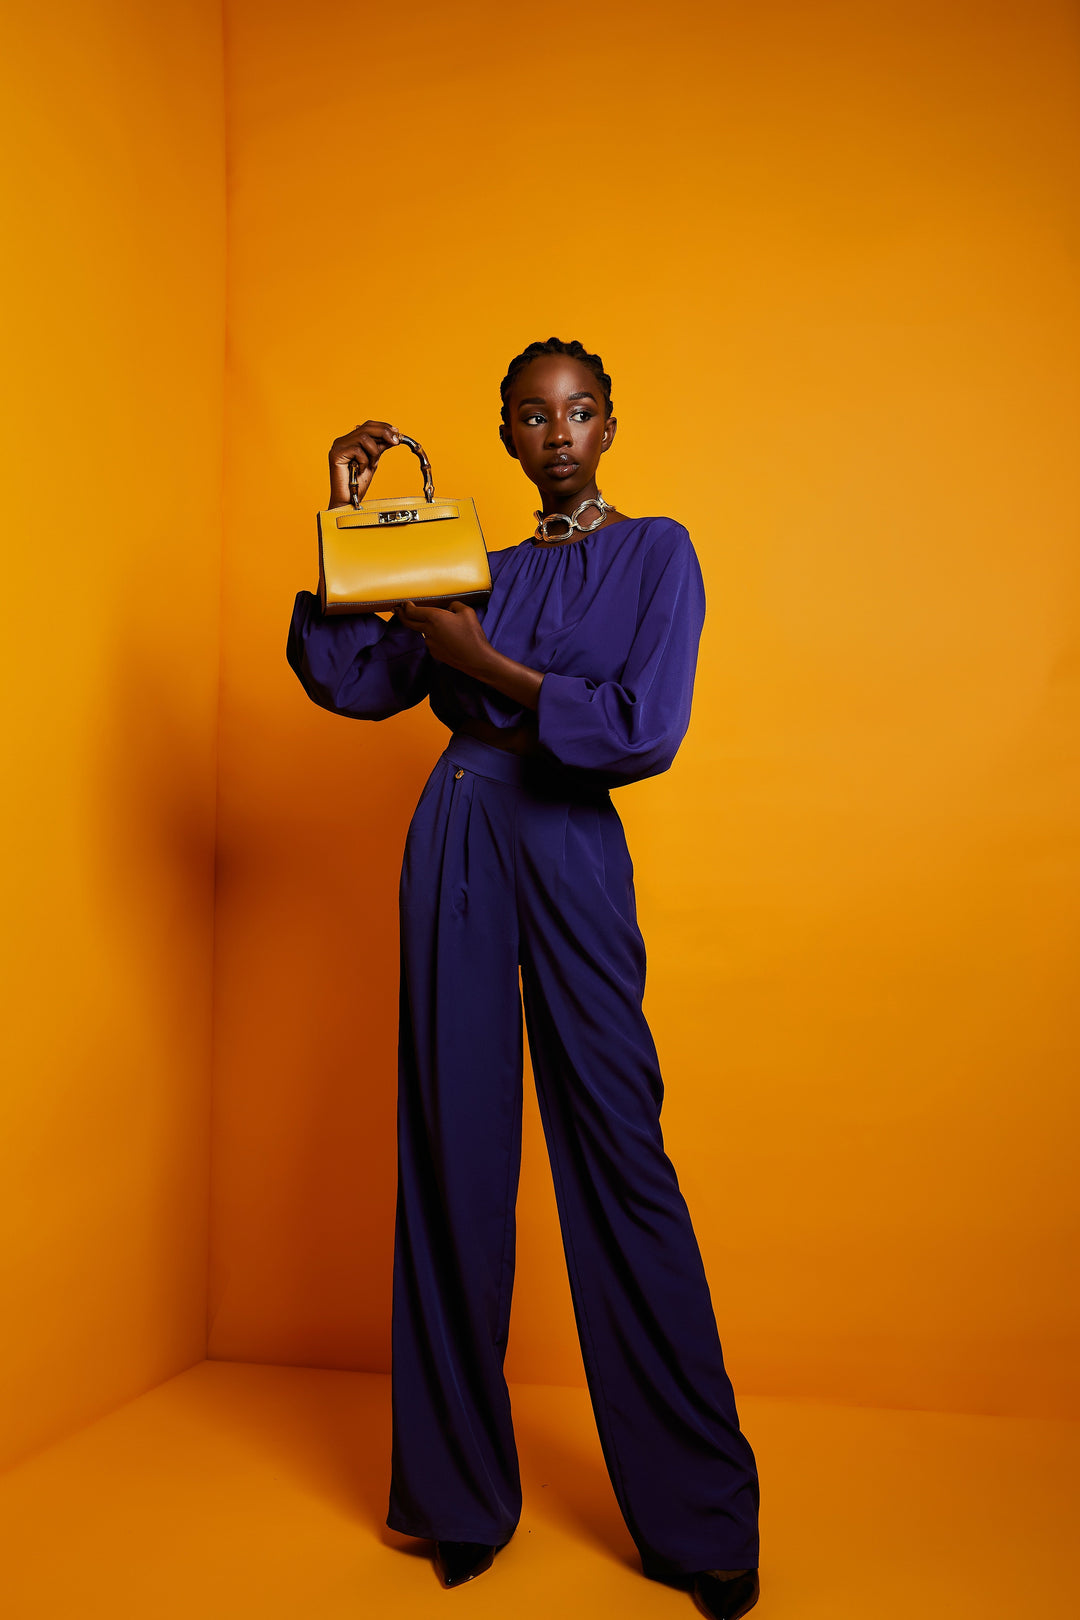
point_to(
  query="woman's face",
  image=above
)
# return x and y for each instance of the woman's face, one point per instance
(557, 427)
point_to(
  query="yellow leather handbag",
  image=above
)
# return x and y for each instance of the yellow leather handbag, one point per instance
(375, 554)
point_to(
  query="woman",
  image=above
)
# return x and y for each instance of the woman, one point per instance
(574, 677)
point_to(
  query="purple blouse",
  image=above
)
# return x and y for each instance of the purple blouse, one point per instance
(613, 621)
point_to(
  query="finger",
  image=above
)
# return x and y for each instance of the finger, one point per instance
(428, 614)
(379, 430)
(359, 457)
(360, 445)
(372, 445)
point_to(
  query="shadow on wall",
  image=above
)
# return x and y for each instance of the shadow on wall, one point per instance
(137, 1096)
(315, 810)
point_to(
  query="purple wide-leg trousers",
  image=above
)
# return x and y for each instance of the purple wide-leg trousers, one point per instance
(507, 862)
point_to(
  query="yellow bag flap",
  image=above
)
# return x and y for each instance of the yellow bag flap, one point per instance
(385, 514)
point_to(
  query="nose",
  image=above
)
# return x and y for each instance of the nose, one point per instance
(558, 432)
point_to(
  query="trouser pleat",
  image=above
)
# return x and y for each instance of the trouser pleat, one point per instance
(454, 1465)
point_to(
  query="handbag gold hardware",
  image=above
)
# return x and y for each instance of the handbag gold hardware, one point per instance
(441, 559)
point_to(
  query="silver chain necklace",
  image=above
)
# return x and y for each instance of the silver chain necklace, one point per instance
(541, 531)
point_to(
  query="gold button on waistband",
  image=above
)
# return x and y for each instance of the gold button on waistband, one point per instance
(459, 772)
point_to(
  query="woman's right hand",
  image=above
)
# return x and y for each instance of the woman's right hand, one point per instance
(365, 444)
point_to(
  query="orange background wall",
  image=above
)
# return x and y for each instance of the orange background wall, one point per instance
(827, 251)
(113, 294)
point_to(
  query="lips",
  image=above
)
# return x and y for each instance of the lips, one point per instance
(561, 467)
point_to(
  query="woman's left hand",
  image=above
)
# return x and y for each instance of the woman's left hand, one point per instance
(454, 634)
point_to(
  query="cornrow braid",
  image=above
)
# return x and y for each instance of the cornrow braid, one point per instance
(553, 345)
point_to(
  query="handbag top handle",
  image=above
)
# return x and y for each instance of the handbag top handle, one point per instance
(425, 468)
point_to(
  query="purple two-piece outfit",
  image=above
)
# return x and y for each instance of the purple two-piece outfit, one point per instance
(512, 860)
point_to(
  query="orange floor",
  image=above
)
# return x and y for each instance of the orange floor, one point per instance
(236, 1490)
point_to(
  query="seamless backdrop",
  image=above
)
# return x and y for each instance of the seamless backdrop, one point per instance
(829, 255)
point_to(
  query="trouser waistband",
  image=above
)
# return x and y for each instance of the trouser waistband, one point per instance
(540, 772)
(487, 760)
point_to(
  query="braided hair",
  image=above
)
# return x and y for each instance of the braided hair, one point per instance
(554, 345)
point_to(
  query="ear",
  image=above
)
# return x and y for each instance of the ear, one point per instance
(508, 441)
(610, 427)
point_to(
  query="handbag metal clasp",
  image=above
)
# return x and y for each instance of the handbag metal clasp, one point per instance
(409, 515)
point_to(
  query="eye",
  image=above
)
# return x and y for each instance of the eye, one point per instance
(584, 411)
(536, 417)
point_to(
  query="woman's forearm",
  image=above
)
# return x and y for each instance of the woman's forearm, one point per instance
(514, 680)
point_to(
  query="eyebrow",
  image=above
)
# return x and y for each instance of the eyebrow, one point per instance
(585, 394)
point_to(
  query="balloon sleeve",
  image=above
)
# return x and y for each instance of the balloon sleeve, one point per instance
(356, 664)
(631, 728)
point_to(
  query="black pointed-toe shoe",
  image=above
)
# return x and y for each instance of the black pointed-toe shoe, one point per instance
(724, 1596)
(461, 1561)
